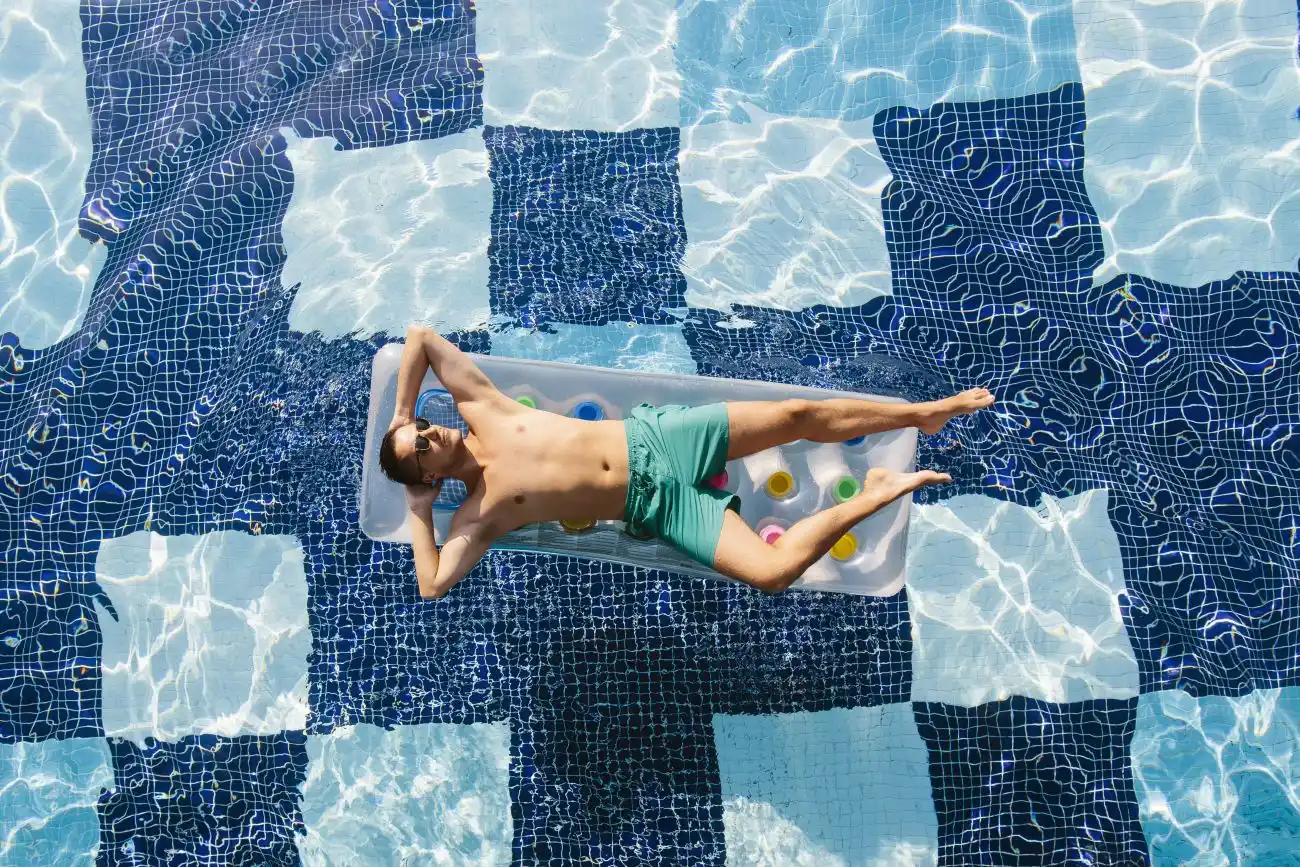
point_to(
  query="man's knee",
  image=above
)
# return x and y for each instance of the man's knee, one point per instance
(777, 574)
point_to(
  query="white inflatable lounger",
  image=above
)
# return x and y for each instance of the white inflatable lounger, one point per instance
(777, 487)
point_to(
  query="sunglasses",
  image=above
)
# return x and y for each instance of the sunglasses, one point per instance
(422, 444)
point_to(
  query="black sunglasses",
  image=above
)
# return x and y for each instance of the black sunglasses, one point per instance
(422, 444)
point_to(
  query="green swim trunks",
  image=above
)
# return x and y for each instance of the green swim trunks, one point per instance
(672, 452)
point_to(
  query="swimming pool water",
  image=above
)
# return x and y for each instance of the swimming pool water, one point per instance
(1089, 207)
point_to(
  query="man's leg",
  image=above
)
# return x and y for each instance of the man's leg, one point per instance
(757, 425)
(741, 554)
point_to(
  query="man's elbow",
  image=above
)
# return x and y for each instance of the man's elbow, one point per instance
(431, 589)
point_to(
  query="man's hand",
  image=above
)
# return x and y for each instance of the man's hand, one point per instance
(420, 498)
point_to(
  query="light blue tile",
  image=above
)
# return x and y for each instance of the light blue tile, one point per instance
(620, 345)
(47, 801)
(837, 788)
(424, 794)
(1218, 779)
(851, 59)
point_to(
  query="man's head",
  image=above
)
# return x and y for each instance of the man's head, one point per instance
(420, 453)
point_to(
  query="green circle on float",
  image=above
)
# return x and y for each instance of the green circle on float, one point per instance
(526, 401)
(846, 489)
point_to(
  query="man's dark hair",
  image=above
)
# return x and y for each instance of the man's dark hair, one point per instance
(402, 473)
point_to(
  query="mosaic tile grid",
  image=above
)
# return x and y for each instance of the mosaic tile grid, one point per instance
(215, 800)
(230, 72)
(1217, 778)
(586, 226)
(813, 58)
(1027, 782)
(273, 453)
(992, 243)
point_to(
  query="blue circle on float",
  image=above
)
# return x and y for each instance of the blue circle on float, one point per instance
(439, 407)
(589, 410)
(856, 441)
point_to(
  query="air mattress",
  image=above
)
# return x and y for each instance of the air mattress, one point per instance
(777, 487)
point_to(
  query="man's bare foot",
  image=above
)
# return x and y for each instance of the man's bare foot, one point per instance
(902, 483)
(937, 412)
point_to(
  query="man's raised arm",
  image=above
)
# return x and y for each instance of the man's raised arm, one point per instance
(427, 348)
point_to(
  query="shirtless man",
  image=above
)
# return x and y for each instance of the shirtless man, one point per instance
(523, 465)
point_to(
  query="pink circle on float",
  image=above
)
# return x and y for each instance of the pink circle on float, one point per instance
(771, 533)
(720, 480)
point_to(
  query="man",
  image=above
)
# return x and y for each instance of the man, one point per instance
(523, 465)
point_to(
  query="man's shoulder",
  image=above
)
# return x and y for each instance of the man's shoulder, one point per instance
(478, 509)
(482, 410)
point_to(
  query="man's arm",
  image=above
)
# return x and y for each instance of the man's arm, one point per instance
(471, 534)
(459, 554)
(419, 505)
(426, 348)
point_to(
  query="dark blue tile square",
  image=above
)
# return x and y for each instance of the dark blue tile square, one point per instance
(587, 226)
(207, 801)
(174, 88)
(50, 648)
(1028, 782)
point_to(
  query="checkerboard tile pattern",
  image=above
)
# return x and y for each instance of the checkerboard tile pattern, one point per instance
(199, 395)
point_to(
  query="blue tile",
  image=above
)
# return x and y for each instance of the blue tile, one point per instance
(616, 680)
(126, 425)
(174, 88)
(211, 800)
(1176, 399)
(1028, 782)
(1215, 777)
(1203, 612)
(586, 226)
(850, 59)
(51, 685)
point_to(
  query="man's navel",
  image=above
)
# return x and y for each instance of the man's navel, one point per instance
(605, 465)
(519, 499)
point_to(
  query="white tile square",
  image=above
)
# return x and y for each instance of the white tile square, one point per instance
(849, 59)
(1218, 779)
(1007, 600)
(783, 212)
(46, 268)
(617, 345)
(47, 800)
(382, 237)
(424, 794)
(580, 64)
(1192, 149)
(213, 635)
(837, 788)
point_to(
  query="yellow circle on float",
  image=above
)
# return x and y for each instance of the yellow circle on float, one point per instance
(780, 485)
(845, 548)
(578, 525)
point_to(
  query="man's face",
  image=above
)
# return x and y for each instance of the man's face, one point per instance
(434, 462)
